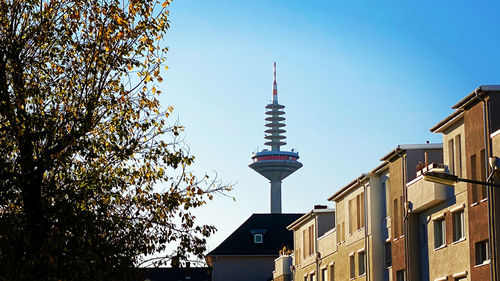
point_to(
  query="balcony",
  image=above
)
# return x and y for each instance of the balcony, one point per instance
(424, 194)
(282, 267)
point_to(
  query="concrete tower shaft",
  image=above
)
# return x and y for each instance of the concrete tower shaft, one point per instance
(274, 164)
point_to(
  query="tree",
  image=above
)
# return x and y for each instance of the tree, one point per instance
(85, 144)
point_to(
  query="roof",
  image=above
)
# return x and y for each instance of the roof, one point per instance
(383, 166)
(305, 217)
(346, 188)
(404, 147)
(240, 242)
(169, 273)
(446, 122)
(473, 96)
(471, 99)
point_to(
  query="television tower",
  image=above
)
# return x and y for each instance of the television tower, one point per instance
(275, 165)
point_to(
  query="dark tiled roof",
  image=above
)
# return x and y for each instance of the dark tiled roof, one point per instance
(240, 242)
(174, 274)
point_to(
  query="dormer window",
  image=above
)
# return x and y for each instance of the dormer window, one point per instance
(258, 238)
(258, 235)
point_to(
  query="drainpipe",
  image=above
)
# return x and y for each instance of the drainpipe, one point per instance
(489, 194)
(405, 219)
(316, 252)
(367, 251)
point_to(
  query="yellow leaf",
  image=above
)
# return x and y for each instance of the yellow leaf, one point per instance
(164, 4)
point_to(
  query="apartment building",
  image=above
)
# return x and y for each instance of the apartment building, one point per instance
(358, 228)
(437, 224)
(314, 242)
(398, 223)
(470, 136)
(403, 161)
(359, 239)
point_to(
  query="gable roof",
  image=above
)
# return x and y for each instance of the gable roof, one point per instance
(240, 242)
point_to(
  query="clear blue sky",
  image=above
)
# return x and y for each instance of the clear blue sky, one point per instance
(357, 78)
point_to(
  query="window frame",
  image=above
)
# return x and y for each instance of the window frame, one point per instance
(361, 263)
(352, 266)
(400, 273)
(331, 272)
(486, 252)
(442, 222)
(324, 273)
(256, 235)
(388, 254)
(461, 220)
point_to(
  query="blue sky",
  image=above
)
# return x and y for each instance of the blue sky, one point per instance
(357, 78)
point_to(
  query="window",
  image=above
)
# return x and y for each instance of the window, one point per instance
(305, 278)
(339, 230)
(478, 191)
(388, 198)
(362, 211)
(400, 275)
(312, 277)
(308, 241)
(401, 215)
(395, 218)
(351, 217)
(258, 238)
(311, 240)
(458, 225)
(483, 174)
(474, 177)
(343, 231)
(388, 255)
(324, 274)
(482, 252)
(305, 244)
(458, 156)
(439, 233)
(451, 157)
(386, 203)
(361, 263)
(352, 266)
(358, 215)
(332, 273)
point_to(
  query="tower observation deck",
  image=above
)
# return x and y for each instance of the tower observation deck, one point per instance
(274, 164)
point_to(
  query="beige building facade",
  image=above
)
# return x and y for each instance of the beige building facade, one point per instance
(399, 222)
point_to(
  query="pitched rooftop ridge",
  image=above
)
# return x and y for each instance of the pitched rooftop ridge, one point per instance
(475, 95)
(403, 147)
(311, 214)
(471, 99)
(347, 188)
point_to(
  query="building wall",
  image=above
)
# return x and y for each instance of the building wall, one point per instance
(474, 134)
(396, 195)
(325, 245)
(375, 215)
(495, 151)
(252, 268)
(455, 253)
